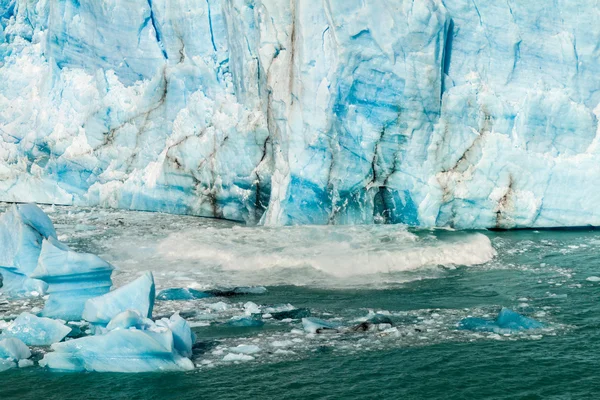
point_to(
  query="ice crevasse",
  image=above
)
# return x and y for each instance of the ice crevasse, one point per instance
(459, 113)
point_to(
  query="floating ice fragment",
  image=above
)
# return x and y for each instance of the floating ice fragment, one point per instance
(246, 322)
(182, 294)
(14, 349)
(36, 331)
(245, 349)
(5, 365)
(220, 306)
(25, 363)
(237, 357)
(316, 325)
(72, 279)
(130, 343)
(251, 308)
(22, 229)
(183, 337)
(137, 295)
(593, 279)
(507, 321)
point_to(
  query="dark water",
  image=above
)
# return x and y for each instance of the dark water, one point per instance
(541, 274)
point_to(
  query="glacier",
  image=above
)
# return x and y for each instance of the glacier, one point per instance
(452, 113)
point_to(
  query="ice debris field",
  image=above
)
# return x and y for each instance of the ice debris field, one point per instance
(58, 311)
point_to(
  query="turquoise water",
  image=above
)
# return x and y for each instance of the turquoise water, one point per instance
(543, 274)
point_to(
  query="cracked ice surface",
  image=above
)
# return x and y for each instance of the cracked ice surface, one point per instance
(457, 113)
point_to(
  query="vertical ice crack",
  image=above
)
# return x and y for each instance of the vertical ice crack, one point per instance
(210, 27)
(157, 31)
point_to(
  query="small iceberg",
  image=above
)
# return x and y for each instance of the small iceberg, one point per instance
(255, 321)
(179, 294)
(22, 229)
(36, 331)
(130, 343)
(507, 321)
(72, 279)
(316, 325)
(137, 295)
(245, 349)
(13, 353)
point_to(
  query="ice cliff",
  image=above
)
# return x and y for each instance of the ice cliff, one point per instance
(461, 113)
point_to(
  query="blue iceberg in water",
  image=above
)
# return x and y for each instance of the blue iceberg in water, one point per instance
(22, 229)
(131, 343)
(255, 321)
(183, 337)
(14, 349)
(72, 279)
(191, 294)
(137, 295)
(316, 325)
(36, 331)
(182, 294)
(507, 321)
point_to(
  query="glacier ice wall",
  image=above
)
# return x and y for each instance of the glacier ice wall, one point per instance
(461, 113)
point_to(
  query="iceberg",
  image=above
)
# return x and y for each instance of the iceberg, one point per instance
(255, 321)
(36, 331)
(22, 229)
(316, 325)
(14, 349)
(507, 321)
(137, 295)
(176, 294)
(72, 279)
(130, 343)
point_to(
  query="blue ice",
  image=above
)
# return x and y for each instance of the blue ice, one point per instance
(137, 295)
(130, 343)
(182, 294)
(36, 331)
(507, 321)
(72, 279)
(22, 229)
(316, 325)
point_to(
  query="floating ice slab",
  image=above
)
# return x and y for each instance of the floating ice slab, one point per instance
(5, 365)
(137, 295)
(72, 279)
(507, 321)
(316, 325)
(183, 337)
(245, 349)
(36, 331)
(232, 357)
(182, 294)
(22, 229)
(246, 322)
(14, 349)
(130, 343)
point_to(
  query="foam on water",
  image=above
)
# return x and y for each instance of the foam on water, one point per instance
(334, 250)
(200, 253)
